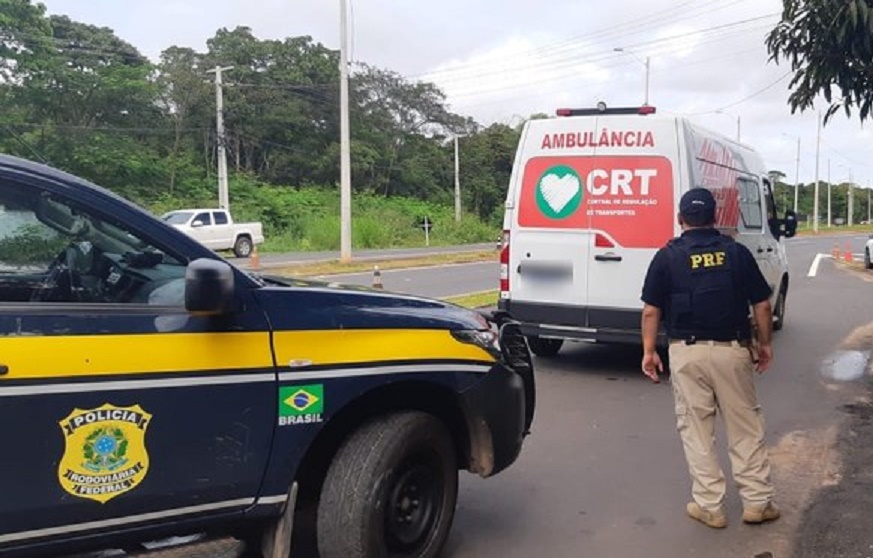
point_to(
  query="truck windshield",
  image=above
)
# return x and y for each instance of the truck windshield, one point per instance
(177, 217)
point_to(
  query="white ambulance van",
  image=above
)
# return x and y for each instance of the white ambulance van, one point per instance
(594, 194)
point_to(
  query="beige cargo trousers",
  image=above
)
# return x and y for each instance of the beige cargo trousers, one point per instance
(712, 377)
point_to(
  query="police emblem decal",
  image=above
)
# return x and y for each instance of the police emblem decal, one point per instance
(105, 453)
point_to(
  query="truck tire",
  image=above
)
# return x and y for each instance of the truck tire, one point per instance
(867, 263)
(390, 491)
(543, 347)
(242, 248)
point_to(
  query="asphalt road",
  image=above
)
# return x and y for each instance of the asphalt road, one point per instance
(603, 475)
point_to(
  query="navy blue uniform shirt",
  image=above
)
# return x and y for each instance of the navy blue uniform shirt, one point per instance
(657, 286)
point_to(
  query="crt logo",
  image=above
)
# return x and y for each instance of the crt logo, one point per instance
(301, 404)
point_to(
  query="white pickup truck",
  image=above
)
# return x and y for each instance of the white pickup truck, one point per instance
(215, 229)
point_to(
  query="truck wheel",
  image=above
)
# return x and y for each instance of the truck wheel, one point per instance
(242, 248)
(779, 311)
(390, 491)
(867, 263)
(544, 347)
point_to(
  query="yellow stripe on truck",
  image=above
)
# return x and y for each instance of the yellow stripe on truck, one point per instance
(351, 346)
(101, 355)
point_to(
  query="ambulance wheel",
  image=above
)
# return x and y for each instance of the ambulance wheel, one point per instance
(543, 347)
(779, 311)
(242, 248)
(390, 491)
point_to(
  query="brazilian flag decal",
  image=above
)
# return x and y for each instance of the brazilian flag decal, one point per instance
(295, 401)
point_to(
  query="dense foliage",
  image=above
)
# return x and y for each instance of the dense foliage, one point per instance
(88, 102)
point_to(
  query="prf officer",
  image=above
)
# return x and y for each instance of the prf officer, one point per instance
(701, 286)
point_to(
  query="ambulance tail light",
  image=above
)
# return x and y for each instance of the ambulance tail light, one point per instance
(504, 266)
(601, 241)
(647, 109)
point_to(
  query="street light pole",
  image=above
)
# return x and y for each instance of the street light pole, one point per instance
(457, 182)
(648, 67)
(797, 175)
(817, 157)
(829, 192)
(647, 63)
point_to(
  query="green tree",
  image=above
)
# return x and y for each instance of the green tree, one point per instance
(829, 44)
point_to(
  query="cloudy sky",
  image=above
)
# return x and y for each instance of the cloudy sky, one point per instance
(500, 60)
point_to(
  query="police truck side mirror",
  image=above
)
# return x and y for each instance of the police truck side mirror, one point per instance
(208, 287)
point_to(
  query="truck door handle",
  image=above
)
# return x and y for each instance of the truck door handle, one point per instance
(770, 249)
(760, 250)
(4, 370)
(607, 258)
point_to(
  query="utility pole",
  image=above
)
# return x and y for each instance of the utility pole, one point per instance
(817, 157)
(345, 142)
(738, 128)
(457, 182)
(829, 192)
(223, 195)
(797, 175)
(851, 216)
(868, 205)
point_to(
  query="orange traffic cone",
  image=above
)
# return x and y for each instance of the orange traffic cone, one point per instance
(256, 259)
(836, 251)
(848, 255)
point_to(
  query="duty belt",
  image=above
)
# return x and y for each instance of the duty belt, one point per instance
(694, 341)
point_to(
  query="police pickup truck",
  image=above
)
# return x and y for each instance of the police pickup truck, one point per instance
(149, 389)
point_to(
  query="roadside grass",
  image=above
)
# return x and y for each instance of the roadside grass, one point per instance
(825, 230)
(322, 269)
(475, 300)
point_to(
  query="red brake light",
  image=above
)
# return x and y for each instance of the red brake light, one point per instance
(601, 241)
(504, 266)
(647, 109)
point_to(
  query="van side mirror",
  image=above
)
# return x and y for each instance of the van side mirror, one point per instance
(790, 223)
(209, 286)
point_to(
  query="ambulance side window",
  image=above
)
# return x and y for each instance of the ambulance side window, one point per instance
(750, 203)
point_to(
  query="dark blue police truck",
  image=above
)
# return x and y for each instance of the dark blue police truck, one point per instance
(148, 388)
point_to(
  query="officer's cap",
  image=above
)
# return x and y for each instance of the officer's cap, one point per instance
(698, 202)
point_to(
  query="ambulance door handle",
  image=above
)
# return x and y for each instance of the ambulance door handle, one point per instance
(607, 258)
(4, 370)
(769, 248)
(760, 250)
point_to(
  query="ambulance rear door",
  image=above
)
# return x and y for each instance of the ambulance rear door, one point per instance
(632, 187)
(549, 237)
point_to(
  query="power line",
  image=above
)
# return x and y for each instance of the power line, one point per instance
(638, 25)
(744, 99)
(715, 32)
(606, 56)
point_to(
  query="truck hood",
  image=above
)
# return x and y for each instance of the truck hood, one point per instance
(307, 304)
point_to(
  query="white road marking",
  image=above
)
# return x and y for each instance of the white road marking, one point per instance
(813, 269)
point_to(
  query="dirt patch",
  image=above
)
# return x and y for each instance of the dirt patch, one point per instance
(861, 339)
(837, 522)
(803, 462)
